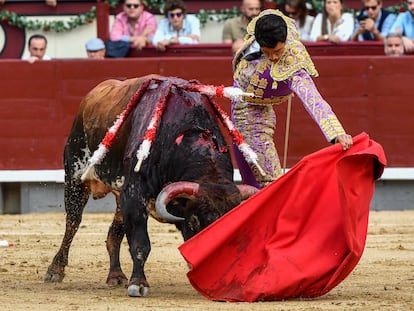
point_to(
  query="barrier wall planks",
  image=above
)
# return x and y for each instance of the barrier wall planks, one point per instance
(38, 102)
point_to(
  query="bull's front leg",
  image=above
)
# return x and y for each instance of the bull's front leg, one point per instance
(136, 229)
(116, 233)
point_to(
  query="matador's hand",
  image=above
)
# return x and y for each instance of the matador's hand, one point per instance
(235, 93)
(345, 140)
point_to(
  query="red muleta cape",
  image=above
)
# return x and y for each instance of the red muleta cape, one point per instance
(298, 237)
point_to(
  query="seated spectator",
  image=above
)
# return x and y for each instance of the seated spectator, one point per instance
(393, 44)
(95, 48)
(234, 29)
(374, 22)
(37, 45)
(134, 25)
(176, 27)
(405, 26)
(332, 24)
(298, 10)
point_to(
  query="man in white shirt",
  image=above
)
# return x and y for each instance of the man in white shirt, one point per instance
(37, 48)
(177, 27)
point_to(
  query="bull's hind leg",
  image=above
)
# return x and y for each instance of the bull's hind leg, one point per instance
(76, 197)
(113, 244)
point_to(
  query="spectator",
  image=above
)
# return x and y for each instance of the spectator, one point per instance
(234, 29)
(37, 45)
(134, 25)
(95, 48)
(373, 23)
(298, 10)
(393, 44)
(405, 26)
(332, 24)
(176, 27)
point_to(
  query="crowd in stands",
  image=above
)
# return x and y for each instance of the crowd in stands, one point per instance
(135, 27)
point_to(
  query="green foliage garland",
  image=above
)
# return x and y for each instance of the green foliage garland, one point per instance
(212, 15)
(155, 5)
(58, 25)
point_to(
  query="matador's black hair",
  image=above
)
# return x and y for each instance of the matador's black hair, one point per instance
(270, 29)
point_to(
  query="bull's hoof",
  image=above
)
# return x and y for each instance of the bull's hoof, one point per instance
(138, 290)
(52, 276)
(117, 278)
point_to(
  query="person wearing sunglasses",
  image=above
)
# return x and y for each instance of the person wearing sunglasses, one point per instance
(373, 23)
(404, 25)
(234, 29)
(134, 24)
(333, 24)
(298, 10)
(176, 27)
(271, 65)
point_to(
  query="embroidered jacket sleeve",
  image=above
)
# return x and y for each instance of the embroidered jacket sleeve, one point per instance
(304, 87)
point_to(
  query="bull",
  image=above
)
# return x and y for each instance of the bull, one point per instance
(187, 178)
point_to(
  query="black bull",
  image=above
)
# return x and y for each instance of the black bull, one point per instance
(187, 178)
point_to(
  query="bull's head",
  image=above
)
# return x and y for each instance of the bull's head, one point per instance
(198, 205)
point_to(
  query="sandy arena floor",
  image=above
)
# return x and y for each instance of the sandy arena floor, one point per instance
(383, 280)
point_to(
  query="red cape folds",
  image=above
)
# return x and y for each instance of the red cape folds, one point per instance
(298, 237)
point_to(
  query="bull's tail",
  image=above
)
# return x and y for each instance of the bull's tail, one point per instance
(89, 174)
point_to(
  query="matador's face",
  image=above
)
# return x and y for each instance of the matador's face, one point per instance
(275, 53)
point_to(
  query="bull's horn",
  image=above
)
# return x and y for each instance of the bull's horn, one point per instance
(247, 191)
(181, 189)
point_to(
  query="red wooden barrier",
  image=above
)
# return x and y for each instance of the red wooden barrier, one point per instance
(38, 102)
(222, 49)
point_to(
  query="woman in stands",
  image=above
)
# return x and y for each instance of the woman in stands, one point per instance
(332, 24)
(297, 10)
